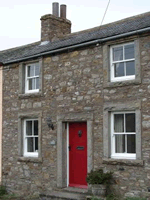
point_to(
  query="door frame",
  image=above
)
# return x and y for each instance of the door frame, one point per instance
(62, 142)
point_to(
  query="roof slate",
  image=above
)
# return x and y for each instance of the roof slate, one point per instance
(113, 29)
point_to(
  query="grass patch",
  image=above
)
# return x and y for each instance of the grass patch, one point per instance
(95, 198)
(2, 190)
(108, 197)
(8, 196)
(16, 197)
(111, 197)
(135, 198)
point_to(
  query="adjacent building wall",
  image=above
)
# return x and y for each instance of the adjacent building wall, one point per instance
(1, 97)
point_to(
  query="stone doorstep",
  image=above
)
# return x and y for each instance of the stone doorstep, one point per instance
(69, 193)
(74, 190)
(62, 195)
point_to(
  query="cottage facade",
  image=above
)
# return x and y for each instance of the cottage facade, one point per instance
(77, 102)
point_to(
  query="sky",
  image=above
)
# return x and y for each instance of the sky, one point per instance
(20, 19)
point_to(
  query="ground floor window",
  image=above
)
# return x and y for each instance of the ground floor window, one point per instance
(123, 135)
(31, 134)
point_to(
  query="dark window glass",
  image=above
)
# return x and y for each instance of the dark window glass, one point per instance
(36, 143)
(130, 68)
(118, 53)
(118, 123)
(131, 144)
(130, 122)
(119, 69)
(129, 51)
(120, 143)
(36, 127)
(30, 70)
(31, 84)
(30, 144)
(36, 69)
(37, 83)
(28, 127)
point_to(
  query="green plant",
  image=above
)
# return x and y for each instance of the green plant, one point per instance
(135, 198)
(99, 177)
(111, 197)
(95, 198)
(2, 190)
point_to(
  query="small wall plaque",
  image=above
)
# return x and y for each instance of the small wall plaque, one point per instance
(52, 142)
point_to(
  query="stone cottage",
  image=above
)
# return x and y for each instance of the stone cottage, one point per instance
(74, 102)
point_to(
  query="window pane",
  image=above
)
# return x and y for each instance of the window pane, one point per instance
(118, 53)
(130, 68)
(119, 69)
(130, 122)
(120, 143)
(36, 127)
(36, 143)
(30, 144)
(30, 70)
(129, 51)
(37, 83)
(32, 84)
(118, 123)
(28, 127)
(36, 69)
(131, 144)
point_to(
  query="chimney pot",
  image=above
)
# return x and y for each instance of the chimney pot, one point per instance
(55, 11)
(63, 9)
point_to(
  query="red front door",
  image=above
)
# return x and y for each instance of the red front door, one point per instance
(78, 154)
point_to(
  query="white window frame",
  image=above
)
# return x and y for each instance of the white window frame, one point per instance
(26, 153)
(120, 155)
(112, 75)
(31, 77)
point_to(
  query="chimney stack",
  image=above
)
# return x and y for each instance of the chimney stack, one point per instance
(52, 26)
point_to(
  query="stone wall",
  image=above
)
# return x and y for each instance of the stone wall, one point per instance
(73, 83)
(53, 27)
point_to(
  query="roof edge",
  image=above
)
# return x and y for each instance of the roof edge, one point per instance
(140, 31)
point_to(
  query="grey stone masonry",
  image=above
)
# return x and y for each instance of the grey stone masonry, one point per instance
(53, 27)
(76, 87)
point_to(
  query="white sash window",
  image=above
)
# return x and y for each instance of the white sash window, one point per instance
(31, 134)
(123, 135)
(122, 62)
(32, 78)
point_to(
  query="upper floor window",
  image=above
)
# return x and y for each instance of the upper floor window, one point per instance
(123, 135)
(32, 78)
(122, 62)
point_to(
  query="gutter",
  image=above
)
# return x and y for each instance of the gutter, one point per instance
(80, 45)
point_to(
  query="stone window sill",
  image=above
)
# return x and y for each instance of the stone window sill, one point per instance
(122, 83)
(110, 161)
(27, 159)
(28, 95)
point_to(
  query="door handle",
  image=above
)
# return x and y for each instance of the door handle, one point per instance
(69, 147)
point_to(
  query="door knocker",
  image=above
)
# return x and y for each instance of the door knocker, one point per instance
(79, 133)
